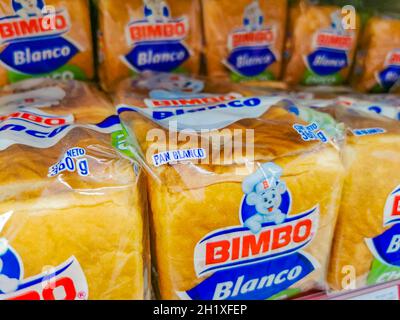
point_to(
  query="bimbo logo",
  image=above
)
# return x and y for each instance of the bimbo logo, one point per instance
(29, 126)
(335, 37)
(65, 282)
(30, 22)
(390, 75)
(334, 41)
(386, 246)
(250, 46)
(168, 90)
(157, 40)
(32, 127)
(392, 208)
(332, 46)
(11, 269)
(393, 58)
(262, 257)
(208, 116)
(28, 116)
(35, 45)
(267, 231)
(197, 100)
(253, 38)
(145, 31)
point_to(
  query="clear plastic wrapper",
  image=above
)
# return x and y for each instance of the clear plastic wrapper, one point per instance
(245, 39)
(84, 100)
(366, 246)
(72, 205)
(244, 195)
(45, 38)
(320, 48)
(141, 35)
(387, 106)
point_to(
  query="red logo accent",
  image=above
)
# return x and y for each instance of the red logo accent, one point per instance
(334, 41)
(252, 245)
(394, 58)
(192, 101)
(47, 293)
(242, 39)
(143, 31)
(16, 28)
(34, 118)
(396, 206)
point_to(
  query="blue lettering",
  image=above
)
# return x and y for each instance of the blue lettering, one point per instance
(12, 127)
(160, 115)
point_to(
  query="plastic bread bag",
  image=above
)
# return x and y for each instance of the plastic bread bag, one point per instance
(322, 44)
(366, 250)
(384, 106)
(389, 108)
(324, 92)
(242, 206)
(160, 85)
(378, 62)
(366, 243)
(392, 99)
(45, 38)
(72, 204)
(245, 39)
(59, 97)
(141, 35)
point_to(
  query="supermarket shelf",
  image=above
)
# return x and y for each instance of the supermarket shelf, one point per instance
(386, 291)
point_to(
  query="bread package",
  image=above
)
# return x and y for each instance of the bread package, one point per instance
(242, 207)
(366, 245)
(160, 86)
(72, 207)
(321, 44)
(384, 105)
(45, 38)
(378, 63)
(147, 35)
(83, 100)
(388, 106)
(244, 39)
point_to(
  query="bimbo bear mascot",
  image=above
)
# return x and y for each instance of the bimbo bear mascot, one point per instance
(264, 190)
(337, 24)
(7, 285)
(156, 11)
(253, 17)
(28, 8)
(170, 86)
